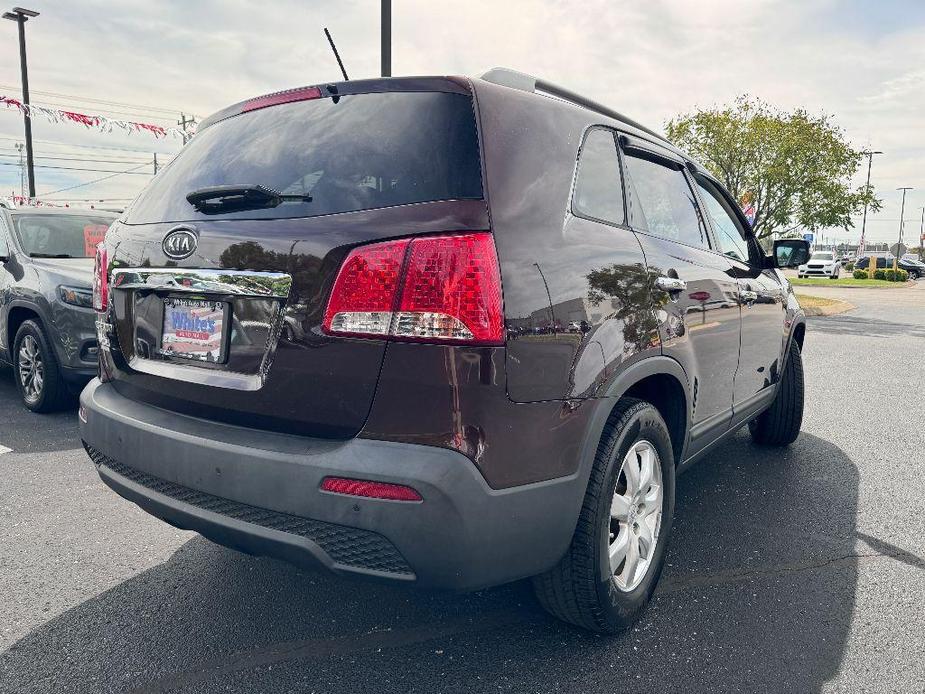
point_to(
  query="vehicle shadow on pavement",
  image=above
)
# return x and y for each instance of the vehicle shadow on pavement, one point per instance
(757, 595)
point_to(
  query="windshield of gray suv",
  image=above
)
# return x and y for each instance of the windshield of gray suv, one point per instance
(360, 152)
(60, 235)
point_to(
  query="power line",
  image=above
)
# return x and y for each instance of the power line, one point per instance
(97, 161)
(103, 111)
(96, 101)
(72, 168)
(96, 180)
(58, 143)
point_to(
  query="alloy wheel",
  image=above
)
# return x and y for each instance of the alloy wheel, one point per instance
(31, 369)
(635, 516)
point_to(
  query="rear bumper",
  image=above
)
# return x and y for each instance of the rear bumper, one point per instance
(259, 491)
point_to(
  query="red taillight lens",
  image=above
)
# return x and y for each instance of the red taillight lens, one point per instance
(300, 94)
(452, 291)
(373, 490)
(363, 297)
(432, 288)
(101, 280)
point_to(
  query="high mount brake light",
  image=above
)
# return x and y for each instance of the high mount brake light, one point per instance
(101, 280)
(428, 289)
(300, 94)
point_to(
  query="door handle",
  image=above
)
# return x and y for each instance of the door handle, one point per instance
(670, 284)
(748, 296)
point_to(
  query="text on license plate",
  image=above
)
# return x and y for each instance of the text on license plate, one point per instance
(193, 329)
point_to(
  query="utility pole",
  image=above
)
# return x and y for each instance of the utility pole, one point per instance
(922, 236)
(155, 163)
(870, 160)
(386, 38)
(901, 213)
(22, 170)
(21, 16)
(183, 122)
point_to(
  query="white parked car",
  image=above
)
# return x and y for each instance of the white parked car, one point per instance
(820, 264)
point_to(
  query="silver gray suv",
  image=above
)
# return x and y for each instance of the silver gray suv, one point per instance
(47, 322)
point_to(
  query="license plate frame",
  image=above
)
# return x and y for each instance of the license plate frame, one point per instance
(195, 330)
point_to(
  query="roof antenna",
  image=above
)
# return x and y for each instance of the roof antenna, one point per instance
(336, 54)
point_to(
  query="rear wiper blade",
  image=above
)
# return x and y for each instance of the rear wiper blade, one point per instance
(239, 197)
(50, 255)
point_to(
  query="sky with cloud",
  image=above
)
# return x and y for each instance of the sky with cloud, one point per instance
(861, 61)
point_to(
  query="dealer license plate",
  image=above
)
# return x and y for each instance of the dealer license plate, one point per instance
(194, 329)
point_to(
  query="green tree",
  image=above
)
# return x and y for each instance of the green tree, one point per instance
(795, 168)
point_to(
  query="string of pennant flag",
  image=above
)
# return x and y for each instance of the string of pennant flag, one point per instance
(101, 123)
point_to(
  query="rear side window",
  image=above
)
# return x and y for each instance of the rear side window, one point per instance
(598, 187)
(667, 207)
(729, 233)
(363, 152)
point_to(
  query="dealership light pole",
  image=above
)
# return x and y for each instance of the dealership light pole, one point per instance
(386, 38)
(901, 213)
(870, 160)
(21, 16)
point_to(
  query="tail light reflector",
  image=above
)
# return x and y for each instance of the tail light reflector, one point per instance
(431, 288)
(372, 490)
(101, 280)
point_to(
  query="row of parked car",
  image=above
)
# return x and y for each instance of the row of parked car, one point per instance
(830, 264)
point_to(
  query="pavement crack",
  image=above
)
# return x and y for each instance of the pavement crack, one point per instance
(676, 585)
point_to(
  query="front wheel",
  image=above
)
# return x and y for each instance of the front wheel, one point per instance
(610, 570)
(36, 370)
(780, 424)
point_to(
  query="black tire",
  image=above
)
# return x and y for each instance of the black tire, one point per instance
(53, 393)
(779, 425)
(581, 588)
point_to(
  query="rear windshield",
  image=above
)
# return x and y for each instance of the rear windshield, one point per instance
(363, 152)
(60, 236)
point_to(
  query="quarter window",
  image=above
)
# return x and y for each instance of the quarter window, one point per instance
(666, 203)
(729, 233)
(599, 189)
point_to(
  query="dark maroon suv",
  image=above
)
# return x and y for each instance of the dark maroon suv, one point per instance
(440, 330)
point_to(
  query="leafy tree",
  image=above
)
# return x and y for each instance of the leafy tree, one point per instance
(794, 168)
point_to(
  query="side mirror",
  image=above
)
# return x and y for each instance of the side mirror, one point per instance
(790, 253)
(4, 251)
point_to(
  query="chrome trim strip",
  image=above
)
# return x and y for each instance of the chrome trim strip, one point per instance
(204, 281)
(205, 377)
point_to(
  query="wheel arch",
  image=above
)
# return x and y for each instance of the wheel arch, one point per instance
(662, 382)
(18, 314)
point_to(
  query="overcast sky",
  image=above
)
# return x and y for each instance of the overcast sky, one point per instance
(861, 61)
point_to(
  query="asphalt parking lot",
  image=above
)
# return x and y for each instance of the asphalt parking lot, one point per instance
(800, 570)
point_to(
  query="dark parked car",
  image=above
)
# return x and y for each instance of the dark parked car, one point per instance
(410, 227)
(915, 268)
(46, 319)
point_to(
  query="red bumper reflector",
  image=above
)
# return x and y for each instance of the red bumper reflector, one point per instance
(372, 490)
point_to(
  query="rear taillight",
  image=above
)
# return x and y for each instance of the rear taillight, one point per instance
(101, 280)
(432, 288)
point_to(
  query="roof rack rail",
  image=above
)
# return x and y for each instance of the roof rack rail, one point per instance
(528, 83)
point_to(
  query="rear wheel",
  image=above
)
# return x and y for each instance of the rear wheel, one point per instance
(36, 370)
(609, 572)
(779, 425)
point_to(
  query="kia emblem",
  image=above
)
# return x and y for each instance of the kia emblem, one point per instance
(179, 243)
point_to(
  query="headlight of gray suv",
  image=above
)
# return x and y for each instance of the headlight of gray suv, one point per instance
(76, 296)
